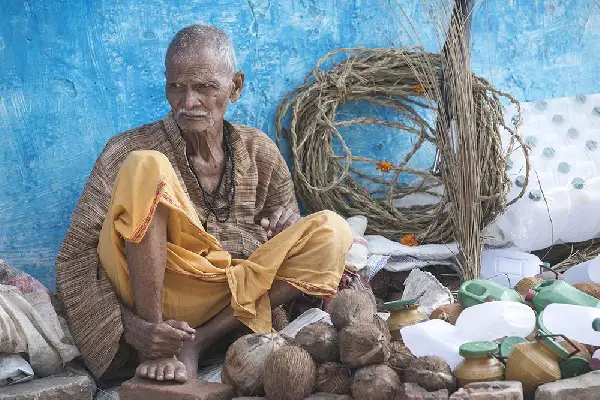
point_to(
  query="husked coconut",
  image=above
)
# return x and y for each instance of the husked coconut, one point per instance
(447, 312)
(431, 373)
(327, 396)
(352, 306)
(320, 340)
(400, 358)
(244, 362)
(362, 345)
(289, 374)
(591, 288)
(525, 284)
(383, 326)
(375, 382)
(279, 318)
(333, 378)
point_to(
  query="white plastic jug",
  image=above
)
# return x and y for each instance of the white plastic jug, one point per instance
(508, 266)
(434, 338)
(583, 220)
(578, 273)
(532, 223)
(573, 321)
(494, 320)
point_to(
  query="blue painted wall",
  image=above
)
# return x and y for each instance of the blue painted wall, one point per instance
(73, 73)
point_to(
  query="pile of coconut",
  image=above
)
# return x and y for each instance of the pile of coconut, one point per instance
(355, 358)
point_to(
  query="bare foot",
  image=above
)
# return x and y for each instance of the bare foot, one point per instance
(163, 369)
(189, 355)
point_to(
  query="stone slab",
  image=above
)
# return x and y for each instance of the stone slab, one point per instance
(73, 383)
(144, 389)
(499, 390)
(584, 387)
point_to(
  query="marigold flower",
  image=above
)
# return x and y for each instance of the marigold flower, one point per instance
(419, 88)
(409, 240)
(384, 166)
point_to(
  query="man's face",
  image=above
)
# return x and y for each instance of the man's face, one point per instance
(199, 87)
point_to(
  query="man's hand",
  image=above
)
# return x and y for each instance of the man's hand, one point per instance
(158, 340)
(280, 219)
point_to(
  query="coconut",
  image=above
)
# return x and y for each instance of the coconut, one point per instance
(383, 326)
(327, 396)
(279, 318)
(447, 312)
(362, 345)
(591, 288)
(375, 382)
(431, 373)
(400, 358)
(333, 378)
(244, 362)
(320, 340)
(525, 284)
(289, 374)
(352, 306)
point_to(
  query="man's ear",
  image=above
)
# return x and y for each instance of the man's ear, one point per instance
(238, 85)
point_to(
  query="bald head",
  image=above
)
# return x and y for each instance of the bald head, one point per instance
(193, 39)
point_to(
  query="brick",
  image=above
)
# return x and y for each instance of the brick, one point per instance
(145, 389)
(584, 387)
(73, 383)
(412, 391)
(498, 390)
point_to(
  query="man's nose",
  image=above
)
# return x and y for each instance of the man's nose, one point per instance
(190, 100)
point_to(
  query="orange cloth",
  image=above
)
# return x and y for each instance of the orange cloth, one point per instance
(201, 278)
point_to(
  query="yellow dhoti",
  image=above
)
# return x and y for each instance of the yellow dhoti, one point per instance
(201, 278)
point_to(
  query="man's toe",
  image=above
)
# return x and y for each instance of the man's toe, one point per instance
(169, 372)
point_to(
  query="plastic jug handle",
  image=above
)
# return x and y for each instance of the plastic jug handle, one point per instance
(553, 335)
(546, 266)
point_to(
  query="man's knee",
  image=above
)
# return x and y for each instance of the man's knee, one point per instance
(143, 159)
(337, 227)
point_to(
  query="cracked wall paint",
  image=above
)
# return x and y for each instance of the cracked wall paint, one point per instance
(75, 73)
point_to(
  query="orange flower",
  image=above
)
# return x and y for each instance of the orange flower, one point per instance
(409, 240)
(384, 166)
(419, 88)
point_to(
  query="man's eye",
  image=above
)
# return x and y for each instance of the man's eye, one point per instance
(176, 85)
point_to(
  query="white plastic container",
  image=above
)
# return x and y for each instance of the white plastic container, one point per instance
(578, 273)
(575, 322)
(356, 258)
(533, 223)
(508, 266)
(434, 338)
(583, 221)
(494, 320)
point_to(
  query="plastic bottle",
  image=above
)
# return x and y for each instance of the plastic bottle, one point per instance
(575, 322)
(479, 291)
(508, 266)
(479, 365)
(583, 217)
(434, 338)
(549, 292)
(494, 320)
(578, 273)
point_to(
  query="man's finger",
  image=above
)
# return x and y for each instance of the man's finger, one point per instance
(283, 221)
(265, 223)
(182, 325)
(172, 333)
(274, 221)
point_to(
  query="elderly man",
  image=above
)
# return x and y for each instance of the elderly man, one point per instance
(188, 228)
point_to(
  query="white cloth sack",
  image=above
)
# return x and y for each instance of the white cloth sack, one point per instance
(356, 258)
(14, 369)
(29, 324)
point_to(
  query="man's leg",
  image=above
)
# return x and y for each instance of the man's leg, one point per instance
(147, 261)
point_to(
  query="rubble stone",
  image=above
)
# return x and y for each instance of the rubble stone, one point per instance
(108, 394)
(328, 396)
(73, 383)
(584, 387)
(138, 388)
(412, 391)
(499, 390)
